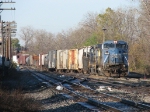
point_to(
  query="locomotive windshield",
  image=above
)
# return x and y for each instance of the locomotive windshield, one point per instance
(111, 45)
(123, 46)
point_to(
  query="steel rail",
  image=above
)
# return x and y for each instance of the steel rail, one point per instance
(95, 102)
(89, 100)
(128, 102)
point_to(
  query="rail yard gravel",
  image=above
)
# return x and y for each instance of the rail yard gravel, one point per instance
(52, 101)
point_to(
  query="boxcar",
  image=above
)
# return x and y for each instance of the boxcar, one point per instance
(31, 60)
(52, 56)
(35, 60)
(28, 60)
(22, 58)
(42, 58)
(14, 59)
(73, 59)
(83, 59)
(62, 60)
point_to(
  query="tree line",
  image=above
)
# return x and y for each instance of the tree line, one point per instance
(131, 25)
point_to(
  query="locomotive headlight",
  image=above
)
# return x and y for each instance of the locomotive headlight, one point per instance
(124, 65)
(106, 52)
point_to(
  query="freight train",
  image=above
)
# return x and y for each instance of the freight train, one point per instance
(108, 58)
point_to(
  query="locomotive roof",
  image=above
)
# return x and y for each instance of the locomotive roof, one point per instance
(113, 41)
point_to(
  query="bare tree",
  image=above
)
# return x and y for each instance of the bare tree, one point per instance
(90, 22)
(26, 34)
(41, 41)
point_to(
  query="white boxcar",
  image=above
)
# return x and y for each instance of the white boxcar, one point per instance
(31, 60)
(82, 52)
(83, 59)
(28, 60)
(14, 59)
(52, 59)
(44, 56)
(40, 59)
(73, 59)
(62, 59)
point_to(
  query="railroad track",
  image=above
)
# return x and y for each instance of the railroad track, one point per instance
(136, 92)
(98, 99)
(132, 90)
(76, 81)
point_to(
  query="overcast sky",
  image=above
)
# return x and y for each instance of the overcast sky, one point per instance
(56, 15)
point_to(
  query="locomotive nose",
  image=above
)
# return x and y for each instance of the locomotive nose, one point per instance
(116, 57)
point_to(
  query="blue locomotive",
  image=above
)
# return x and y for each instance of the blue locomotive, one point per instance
(110, 57)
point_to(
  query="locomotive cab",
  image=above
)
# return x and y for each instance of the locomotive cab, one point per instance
(115, 57)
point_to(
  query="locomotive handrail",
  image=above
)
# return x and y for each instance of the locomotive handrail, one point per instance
(105, 60)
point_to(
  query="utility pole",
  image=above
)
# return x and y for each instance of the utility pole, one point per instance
(5, 32)
(8, 30)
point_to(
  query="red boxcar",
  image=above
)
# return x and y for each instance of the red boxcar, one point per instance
(22, 58)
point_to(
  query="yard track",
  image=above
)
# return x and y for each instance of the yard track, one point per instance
(85, 94)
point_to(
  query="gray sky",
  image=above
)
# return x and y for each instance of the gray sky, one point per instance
(56, 15)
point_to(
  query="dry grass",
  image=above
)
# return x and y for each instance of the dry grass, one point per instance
(12, 99)
(16, 102)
